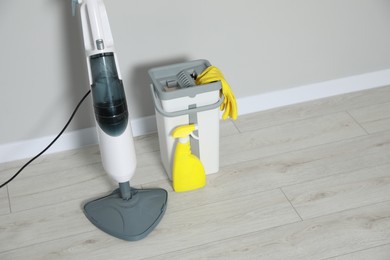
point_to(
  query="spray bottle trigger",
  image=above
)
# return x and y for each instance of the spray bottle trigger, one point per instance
(183, 131)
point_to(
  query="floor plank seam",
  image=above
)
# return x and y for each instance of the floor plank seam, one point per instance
(209, 203)
(52, 204)
(44, 242)
(236, 126)
(375, 104)
(261, 230)
(289, 201)
(335, 174)
(306, 148)
(308, 103)
(201, 205)
(347, 209)
(62, 187)
(81, 200)
(10, 204)
(301, 149)
(140, 186)
(221, 200)
(269, 156)
(357, 122)
(352, 252)
(224, 239)
(143, 153)
(24, 174)
(268, 229)
(9, 200)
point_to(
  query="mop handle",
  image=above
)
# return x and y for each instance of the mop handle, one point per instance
(108, 94)
(95, 25)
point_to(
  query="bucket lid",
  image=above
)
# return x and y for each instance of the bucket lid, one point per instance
(178, 80)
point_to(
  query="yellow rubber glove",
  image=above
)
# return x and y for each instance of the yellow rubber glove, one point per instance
(229, 105)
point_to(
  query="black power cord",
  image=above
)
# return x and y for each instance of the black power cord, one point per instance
(52, 142)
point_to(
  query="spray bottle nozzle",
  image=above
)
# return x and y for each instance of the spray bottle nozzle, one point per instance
(184, 131)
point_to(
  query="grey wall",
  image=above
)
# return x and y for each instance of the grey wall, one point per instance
(261, 46)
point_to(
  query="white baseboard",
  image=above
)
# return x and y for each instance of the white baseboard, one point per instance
(68, 141)
(314, 91)
(141, 126)
(29, 148)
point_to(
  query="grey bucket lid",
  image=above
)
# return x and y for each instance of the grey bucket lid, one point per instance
(166, 76)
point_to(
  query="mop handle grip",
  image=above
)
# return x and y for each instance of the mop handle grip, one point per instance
(95, 26)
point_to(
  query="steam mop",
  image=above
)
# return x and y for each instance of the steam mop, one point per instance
(126, 213)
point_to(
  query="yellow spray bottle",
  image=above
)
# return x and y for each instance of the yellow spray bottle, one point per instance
(188, 172)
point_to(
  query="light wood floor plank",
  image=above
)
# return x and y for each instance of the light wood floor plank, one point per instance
(377, 253)
(314, 108)
(75, 158)
(317, 238)
(288, 137)
(77, 183)
(58, 186)
(287, 169)
(149, 169)
(177, 230)
(146, 143)
(62, 183)
(374, 118)
(50, 163)
(23, 198)
(344, 191)
(42, 225)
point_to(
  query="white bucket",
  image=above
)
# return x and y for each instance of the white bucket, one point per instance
(200, 106)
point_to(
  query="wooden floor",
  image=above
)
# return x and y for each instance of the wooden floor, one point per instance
(308, 181)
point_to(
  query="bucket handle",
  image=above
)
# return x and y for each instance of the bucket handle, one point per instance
(160, 109)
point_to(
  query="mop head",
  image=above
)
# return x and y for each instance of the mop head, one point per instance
(131, 219)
